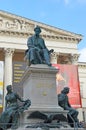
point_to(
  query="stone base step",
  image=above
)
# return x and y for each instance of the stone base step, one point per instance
(22, 128)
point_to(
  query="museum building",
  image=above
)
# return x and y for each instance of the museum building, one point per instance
(14, 32)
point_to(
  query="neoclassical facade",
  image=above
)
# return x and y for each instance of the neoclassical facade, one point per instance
(14, 31)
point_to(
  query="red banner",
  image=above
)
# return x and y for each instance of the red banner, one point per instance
(68, 76)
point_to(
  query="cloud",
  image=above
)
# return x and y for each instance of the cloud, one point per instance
(43, 14)
(81, 1)
(54, 0)
(66, 2)
(82, 57)
(74, 2)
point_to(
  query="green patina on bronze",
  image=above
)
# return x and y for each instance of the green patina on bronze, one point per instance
(63, 101)
(37, 52)
(10, 116)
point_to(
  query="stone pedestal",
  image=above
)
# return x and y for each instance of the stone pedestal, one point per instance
(22, 128)
(39, 85)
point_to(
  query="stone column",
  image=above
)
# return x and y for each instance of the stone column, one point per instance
(54, 58)
(7, 69)
(74, 59)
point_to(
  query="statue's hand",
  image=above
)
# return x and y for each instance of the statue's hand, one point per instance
(25, 106)
(37, 49)
(51, 51)
(27, 102)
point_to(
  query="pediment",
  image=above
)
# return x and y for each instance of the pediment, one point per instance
(14, 23)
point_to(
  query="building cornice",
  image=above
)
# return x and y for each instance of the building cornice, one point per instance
(23, 26)
(82, 65)
(45, 36)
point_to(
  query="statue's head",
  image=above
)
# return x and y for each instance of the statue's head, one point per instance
(65, 90)
(9, 87)
(37, 29)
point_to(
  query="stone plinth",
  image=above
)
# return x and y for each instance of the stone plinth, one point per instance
(22, 128)
(39, 85)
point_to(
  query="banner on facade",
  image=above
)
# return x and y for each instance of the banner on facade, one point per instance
(1, 83)
(68, 76)
(18, 71)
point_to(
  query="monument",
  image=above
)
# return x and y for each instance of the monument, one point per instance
(39, 86)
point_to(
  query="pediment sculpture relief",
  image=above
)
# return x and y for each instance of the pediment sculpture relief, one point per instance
(16, 23)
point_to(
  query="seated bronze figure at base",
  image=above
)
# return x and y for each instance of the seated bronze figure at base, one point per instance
(64, 103)
(9, 117)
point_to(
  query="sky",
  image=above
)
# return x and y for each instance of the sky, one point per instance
(69, 15)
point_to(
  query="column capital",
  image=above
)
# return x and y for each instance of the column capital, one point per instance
(9, 51)
(54, 54)
(54, 57)
(75, 58)
(7, 68)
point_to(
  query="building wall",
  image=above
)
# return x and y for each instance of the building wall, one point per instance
(13, 40)
(63, 46)
(82, 78)
(20, 46)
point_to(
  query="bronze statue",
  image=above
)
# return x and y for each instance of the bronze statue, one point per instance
(37, 52)
(9, 118)
(64, 102)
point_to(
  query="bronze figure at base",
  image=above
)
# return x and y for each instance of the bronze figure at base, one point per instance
(10, 116)
(72, 114)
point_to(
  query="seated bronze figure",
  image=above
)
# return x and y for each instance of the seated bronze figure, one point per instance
(37, 52)
(9, 117)
(64, 103)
